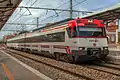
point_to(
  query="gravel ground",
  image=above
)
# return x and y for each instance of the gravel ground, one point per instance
(114, 56)
(60, 75)
(114, 53)
(104, 69)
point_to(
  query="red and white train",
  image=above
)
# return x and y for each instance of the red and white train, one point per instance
(78, 39)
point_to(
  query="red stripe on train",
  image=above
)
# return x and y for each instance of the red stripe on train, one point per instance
(89, 37)
(53, 28)
(67, 48)
(59, 46)
(45, 46)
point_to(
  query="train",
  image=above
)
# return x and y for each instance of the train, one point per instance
(71, 40)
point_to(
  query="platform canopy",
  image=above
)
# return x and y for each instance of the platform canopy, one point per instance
(7, 7)
(108, 14)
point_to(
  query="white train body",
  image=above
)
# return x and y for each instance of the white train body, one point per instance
(81, 38)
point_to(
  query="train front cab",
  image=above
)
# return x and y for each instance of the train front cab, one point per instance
(87, 39)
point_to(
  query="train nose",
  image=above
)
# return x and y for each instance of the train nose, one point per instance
(94, 52)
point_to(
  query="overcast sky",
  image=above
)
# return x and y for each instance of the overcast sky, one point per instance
(29, 16)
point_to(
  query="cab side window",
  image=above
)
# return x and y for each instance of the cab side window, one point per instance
(72, 32)
(69, 32)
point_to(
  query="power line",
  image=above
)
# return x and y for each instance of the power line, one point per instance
(12, 30)
(103, 7)
(58, 7)
(27, 2)
(26, 10)
(51, 9)
(71, 9)
(54, 9)
(22, 24)
(57, 13)
(79, 3)
(50, 17)
(63, 4)
(67, 8)
(18, 11)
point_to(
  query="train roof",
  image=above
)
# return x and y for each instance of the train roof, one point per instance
(54, 24)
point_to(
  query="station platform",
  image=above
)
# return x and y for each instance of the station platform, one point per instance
(13, 69)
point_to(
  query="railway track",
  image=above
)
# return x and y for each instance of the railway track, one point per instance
(105, 68)
(108, 65)
(61, 69)
(73, 69)
(114, 63)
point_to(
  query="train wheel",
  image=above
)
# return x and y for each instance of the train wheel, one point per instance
(66, 58)
(57, 56)
(72, 59)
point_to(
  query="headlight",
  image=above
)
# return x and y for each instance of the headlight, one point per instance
(105, 48)
(81, 48)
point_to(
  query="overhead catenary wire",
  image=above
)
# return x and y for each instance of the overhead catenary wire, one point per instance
(53, 15)
(44, 14)
(63, 4)
(52, 9)
(48, 8)
(55, 11)
(56, 7)
(103, 7)
(19, 11)
(67, 8)
(79, 3)
(31, 5)
(21, 24)
(25, 11)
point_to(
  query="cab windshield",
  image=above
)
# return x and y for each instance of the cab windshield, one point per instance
(88, 32)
